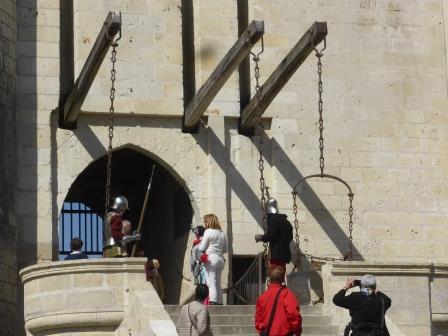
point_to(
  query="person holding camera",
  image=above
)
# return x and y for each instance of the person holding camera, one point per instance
(367, 307)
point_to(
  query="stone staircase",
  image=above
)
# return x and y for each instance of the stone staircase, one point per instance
(239, 320)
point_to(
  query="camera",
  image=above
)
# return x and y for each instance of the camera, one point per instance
(357, 282)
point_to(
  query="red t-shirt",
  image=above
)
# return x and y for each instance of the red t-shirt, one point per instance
(287, 316)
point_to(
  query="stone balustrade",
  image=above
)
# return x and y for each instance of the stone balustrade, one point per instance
(92, 297)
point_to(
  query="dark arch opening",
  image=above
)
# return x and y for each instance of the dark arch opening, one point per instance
(168, 216)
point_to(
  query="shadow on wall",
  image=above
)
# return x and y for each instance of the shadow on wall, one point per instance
(27, 151)
(168, 217)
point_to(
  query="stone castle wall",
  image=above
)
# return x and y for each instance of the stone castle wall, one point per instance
(386, 127)
(8, 257)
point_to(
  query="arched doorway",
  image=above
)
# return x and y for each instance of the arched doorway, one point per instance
(168, 216)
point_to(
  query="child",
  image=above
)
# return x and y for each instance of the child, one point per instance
(197, 268)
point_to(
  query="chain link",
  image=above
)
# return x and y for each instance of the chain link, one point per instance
(264, 189)
(350, 227)
(110, 129)
(349, 254)
(320, 106)
(296, 229)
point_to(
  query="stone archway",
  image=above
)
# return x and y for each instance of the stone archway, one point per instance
(169, 214)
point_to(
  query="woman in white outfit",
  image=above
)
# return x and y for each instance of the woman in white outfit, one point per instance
(214, 245)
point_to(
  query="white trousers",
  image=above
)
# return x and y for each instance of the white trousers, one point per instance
(213, 269)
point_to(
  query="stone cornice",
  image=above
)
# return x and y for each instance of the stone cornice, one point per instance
(389, 268)
(77, 319)
(112, 265)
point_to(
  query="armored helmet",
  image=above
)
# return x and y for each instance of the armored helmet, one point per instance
(120, 204)
(271, 206)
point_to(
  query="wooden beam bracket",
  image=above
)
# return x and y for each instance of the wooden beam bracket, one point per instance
(252, 112)
(239, 51)
(70, 105)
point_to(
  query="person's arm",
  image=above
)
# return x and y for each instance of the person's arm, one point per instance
(271, 233)
(386, 299)
(340, 299)
(203, 321)
(224, 247)
(292, 311)
(204, 242)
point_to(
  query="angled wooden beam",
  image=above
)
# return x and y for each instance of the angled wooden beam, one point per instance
(259, 103)
(75, 98)
(197, 106)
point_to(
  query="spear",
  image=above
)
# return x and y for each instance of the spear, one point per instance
(142, 215)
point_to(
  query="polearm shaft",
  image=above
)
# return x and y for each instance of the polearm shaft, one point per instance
(142, 215)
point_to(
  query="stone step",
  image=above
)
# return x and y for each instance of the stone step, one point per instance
(243, 310)
(248, 320)
(239, 320)
(326, 330)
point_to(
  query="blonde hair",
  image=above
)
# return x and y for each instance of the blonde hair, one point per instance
(211, 222)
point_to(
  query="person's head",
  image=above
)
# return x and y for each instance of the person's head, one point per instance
(211, 222)
(149, 264)
(156, 264)
(201, 292)
(368, 284)
(127, 227)
(271, 206)
(199, 231)
(276, 274)
(120, 204)
(76, 244)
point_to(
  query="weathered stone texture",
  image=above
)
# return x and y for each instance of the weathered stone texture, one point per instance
(385, 120)
(8, 258)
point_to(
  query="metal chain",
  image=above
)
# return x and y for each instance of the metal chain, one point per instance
(349, 254)
(263, 187)
(320, 104)
(296, 229)
(350, 228)
(110, 129)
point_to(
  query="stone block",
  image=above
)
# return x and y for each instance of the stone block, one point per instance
(89, 280)
(51, 284)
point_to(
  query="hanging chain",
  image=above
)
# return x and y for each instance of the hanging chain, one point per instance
(349, 254)
(264, 189)
(350, 228)
(319, 55)
(296, 229)
(113, 72)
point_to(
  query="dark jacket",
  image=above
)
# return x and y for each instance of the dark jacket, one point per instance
(279, 235)
(76, 256)
(363, 308)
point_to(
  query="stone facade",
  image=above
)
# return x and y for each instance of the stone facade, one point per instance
(8, 257)
(386, 127)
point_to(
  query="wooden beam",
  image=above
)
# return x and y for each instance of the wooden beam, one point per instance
(78, 93)
(259, 103)
(197, 106)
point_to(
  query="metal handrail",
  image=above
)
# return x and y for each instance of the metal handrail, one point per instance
(244, 290)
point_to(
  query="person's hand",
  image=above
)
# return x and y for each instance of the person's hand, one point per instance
(204, 257)
(138, 236)
(258, 237)
(349, 283)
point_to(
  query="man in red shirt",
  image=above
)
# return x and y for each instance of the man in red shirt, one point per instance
(287, 319)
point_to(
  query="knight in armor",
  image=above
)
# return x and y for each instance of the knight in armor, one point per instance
(118, 240)
(278, 235)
